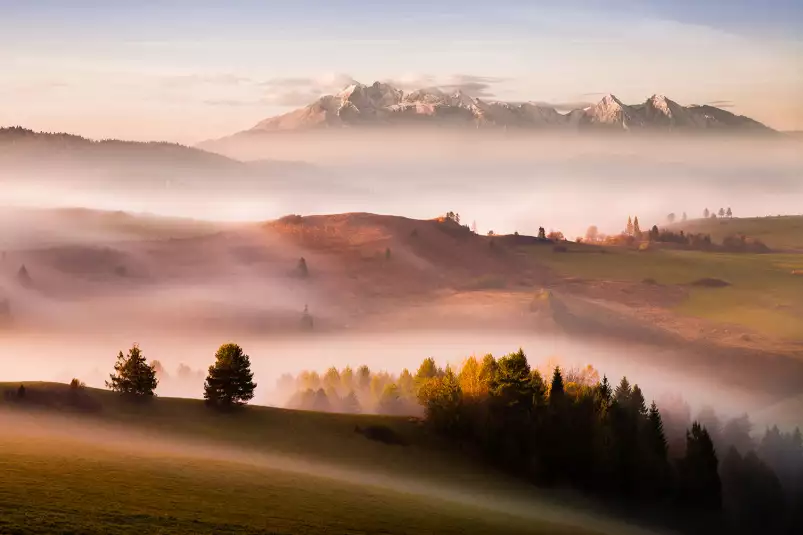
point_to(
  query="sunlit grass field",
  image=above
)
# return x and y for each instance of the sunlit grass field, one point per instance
(71, 488)
(764, 294)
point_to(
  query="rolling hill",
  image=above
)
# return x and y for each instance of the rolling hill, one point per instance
(255, 471)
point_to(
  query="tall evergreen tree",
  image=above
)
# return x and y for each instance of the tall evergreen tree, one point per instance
(556, 390)
(230, 380)
(132, 374)
(636, 228)
(629, 226)
(700, 486)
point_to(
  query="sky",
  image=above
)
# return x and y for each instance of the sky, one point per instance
(186, 71)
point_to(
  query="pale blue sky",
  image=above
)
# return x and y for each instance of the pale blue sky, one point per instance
(189, 70)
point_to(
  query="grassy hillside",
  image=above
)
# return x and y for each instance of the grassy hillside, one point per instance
(174, 466)
(763, 294)
(781, 232)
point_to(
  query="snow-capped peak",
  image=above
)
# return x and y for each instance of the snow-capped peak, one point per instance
(381, 103)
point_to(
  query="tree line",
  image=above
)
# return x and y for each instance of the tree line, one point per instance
(608, 441)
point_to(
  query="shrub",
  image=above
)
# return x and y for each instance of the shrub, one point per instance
(77, 384)
(381, 433)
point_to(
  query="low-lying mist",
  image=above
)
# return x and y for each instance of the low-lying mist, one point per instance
(184, 361)
(505, 183)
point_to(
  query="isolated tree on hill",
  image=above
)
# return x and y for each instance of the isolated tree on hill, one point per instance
(629, 227)
(684, 217)
(670, 218)
(721, 212)
(706, 213)
(306, 319)
(729, 212)
(24, 277)
(302, 269)
(457, 218)
(230, 380)
(636, 229)
(132, 374)
(541, 233)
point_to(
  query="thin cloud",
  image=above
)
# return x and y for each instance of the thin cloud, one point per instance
(564, 106)
(721, 103)
(474, 85)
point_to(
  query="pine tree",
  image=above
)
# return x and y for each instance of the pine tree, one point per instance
(132, 374)
(604, 396)
(541, 233)
(637, 402)
(302, 269)
(230, 380)
(556, 390)
(700, 486)
(636, 229)
(706, 213)
(629, 227)
(622, 393)
(729, 212)
(684, 217)
(657, 438)
(721, 212)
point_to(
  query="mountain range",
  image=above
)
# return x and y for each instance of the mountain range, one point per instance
(382, 105)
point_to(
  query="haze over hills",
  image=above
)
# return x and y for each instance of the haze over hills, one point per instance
(381, 104)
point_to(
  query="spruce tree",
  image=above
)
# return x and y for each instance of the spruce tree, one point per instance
(700, 486)
(655, 432)
(132, 374)
(636, 229)
(230, 380)
(556, 390)
(629, 227)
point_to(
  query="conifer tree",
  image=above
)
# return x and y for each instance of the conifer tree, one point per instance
(230, 380)
(657, 437)
(132, 374)
(700, 486)
(556, 391)
(636, 229)
(629, 227)
(706, 213)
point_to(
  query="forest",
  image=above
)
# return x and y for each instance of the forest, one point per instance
(572, 429)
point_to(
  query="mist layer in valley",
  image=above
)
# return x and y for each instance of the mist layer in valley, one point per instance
(504, 182)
